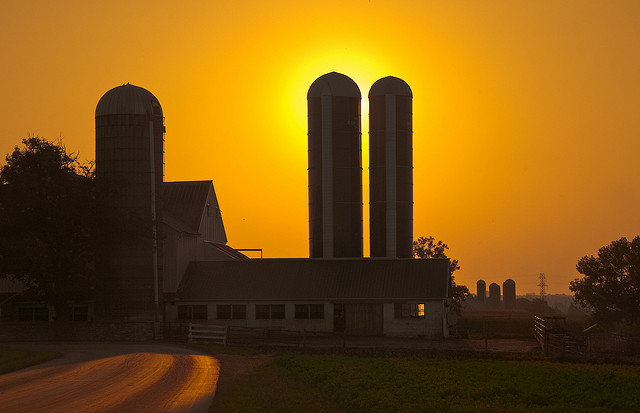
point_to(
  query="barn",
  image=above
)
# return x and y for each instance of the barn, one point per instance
(365, 297)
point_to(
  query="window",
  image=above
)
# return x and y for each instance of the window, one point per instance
(79, 313)
(192, 312)
(277, 311)
(309, 311)
(223, 312)
(409, 310)
(262, 312)
(316, 311)
(200, 312)
(231, 312)
(269, 311)
(33, 314)
(239, 312)
(302, 311)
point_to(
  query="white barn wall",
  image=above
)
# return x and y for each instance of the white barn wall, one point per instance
(429, 327)
(211, 225)
(180, 249)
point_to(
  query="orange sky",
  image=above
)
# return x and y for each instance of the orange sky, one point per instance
(526, 125)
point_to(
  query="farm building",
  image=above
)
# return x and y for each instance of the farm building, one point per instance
(397, 297)
(192, 230)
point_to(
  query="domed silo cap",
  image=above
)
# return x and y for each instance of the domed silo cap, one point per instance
(509, 281)
(128, 100)
(334, 84)
(390, 85)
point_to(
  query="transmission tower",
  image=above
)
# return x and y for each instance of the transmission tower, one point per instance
(543, 286)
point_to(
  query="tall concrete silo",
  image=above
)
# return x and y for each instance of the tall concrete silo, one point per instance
(335, 167)
(391, 168)
(481, 290)
(509, 294)
(129, 161)
(494, 296)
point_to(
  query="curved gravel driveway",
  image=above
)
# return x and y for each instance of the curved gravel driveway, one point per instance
(112, 378)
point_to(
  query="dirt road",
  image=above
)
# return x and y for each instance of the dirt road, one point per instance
(112, 378)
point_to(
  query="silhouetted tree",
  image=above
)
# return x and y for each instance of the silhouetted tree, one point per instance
(610, 288)
(427, 247)
(48, 223)
(540, 307)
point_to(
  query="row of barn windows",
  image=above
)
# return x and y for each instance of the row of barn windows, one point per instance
(76, 313)
(277, 311)
(239, 312)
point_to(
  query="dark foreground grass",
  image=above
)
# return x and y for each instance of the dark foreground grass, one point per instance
(418, 384)
(332, 383)
(269, 388)
(12, 359)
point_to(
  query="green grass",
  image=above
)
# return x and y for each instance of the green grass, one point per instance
(270, 388)
(334, 383)
(418, 384)
(12, 359)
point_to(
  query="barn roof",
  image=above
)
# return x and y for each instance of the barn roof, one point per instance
(223, 252)
(185, 201)
(315, 279)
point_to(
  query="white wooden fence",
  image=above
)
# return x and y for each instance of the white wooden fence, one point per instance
(207, 333)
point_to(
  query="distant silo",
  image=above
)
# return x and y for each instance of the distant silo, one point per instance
(494, 296)
(335, 167)
(391, 168)
(482, 290)
(129, 159)
(509, 294)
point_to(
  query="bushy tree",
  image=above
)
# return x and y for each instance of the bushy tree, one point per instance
(610, 288)
(47, 223)
(428, 247)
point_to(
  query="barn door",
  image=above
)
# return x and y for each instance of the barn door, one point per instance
(364, 319)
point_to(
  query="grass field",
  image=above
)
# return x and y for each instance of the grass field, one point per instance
(12, 359)
(330, 383)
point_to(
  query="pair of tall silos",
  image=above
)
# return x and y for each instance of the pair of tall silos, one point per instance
(335, 168)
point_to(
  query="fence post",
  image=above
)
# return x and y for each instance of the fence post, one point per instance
(484, 332)
(545, 337)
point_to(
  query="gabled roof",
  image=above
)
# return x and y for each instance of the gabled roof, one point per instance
(185, 201)
(315, 279)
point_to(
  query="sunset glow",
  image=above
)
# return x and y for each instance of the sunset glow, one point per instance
(526, 131)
